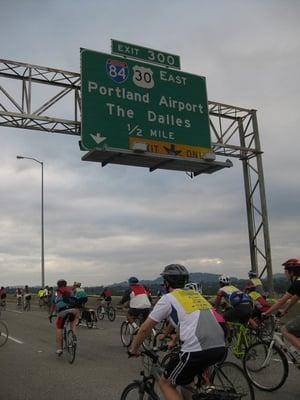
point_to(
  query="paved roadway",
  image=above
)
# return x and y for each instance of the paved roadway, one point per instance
(31, 371)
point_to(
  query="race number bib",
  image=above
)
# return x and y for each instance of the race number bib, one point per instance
(191, 301)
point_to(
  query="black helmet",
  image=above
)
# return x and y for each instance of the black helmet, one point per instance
(176, 275)
(61, 283)
(252, 274)
(132, 280)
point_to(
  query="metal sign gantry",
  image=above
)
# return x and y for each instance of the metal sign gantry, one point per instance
(234, 133)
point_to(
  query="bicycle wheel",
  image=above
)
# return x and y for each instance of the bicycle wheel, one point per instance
(111, 313)
(71, 344)
(266, 367)
(126, 333)
(148, 342)
(100, 313)
(231, 378)
(136, 391)
(3, 333)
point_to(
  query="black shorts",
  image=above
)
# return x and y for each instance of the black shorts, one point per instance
(183, 367)
(139, 312)
(240, 313)
(293, 326)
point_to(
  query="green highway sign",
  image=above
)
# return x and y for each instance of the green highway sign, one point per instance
(131, 105)
(145, 54)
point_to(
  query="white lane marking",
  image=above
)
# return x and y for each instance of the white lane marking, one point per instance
(15, 340)
(17, 312)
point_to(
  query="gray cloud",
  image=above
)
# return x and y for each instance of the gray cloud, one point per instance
(101, 224)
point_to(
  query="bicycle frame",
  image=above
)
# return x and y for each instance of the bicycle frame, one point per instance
(239, 338)
(285, 347)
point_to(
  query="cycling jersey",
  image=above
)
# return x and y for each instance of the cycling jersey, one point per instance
(294, 289)
(232, 295)
(258, 286)
(59, 301)
(137, 297)
(259, 301)
(188, 310)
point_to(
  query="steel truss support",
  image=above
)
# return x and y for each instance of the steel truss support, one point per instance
(234, 133)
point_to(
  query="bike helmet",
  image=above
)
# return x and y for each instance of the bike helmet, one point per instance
(176, 275)
(61, 283)
(252, 274)
(192, 286)
(133, 280)
(224, 279)
(293, 264)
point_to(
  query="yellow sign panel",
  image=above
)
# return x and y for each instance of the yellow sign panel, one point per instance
(178, 150)
(191, 301)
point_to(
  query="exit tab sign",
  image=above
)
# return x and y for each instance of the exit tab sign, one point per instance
(145, 54)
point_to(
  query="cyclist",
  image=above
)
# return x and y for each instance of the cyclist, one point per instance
(291, 331)
(162, 290)
(106, 295)
(256, 282)
(201, 336)
(239, 305)
(193, 286)
(27, 298)
(19, 295)
(137, 296)
(61, 304)
(80, 295)
(3, 297)
(259, 302)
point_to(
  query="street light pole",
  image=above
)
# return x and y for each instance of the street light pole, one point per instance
(42, 215)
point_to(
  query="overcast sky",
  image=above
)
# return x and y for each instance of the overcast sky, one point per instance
(105, 224)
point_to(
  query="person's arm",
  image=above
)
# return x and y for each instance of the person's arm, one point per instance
(218, 299)
(290, 304)
(279, 303)
(161, 311)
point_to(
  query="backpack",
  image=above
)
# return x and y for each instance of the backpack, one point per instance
(237, 298)
(78, 298)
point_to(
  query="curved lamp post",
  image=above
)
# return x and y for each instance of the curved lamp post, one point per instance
(42, 214)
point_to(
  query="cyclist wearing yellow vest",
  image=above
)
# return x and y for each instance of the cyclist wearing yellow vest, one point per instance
(292, 329)
(256, 282)
(239, 304)
(260, 303)
(201, 335)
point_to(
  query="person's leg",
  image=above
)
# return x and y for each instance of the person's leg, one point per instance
(294, 340)
(73, 320)
(168, 390)
(59, 343)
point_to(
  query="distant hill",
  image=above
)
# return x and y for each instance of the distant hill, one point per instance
(210, 283)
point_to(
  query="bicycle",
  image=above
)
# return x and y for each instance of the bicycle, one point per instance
(3, 333)
(128, 330)
(106, 309)
(19, 302)
(266, 363)
(89, 317)
(226, 381)
(240, 337)
(69, 339)
(27, 304)
(2, 305)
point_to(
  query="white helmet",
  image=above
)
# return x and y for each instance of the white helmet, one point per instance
(193, 286)
(224, 279)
